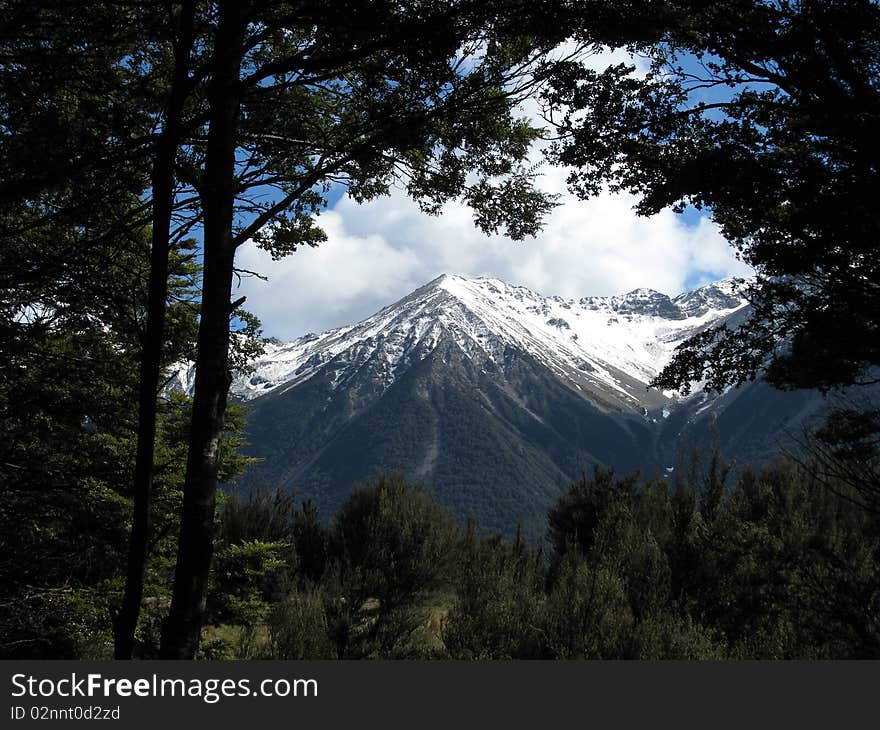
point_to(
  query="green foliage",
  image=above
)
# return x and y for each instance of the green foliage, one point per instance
(781, 567)
(670, 636)
(499, 607)
(262, 515)
(298, 628)
(254, 564)
(76, 111)
(587, 615)
(248, 577)
(311, 541)
(67, 388)
(71, 336)
(573, 522)
(844, 453)
(393, 541)
(391, 545)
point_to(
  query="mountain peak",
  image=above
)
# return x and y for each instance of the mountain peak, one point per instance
(609, 345)
(718, 295)
(439, 280)
(482, 390)
(644, 293)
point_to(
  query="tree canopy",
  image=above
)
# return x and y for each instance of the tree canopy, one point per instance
(765, 115)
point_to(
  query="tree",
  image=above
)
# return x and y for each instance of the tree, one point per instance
(572, 522)
(499, 601)
(75, 145)
(844, 454)
(764, 113)
(162, 186)
(72, 329)
(98, 82)
(392, 545)
(212, 103)
(69, 76)
(116, 87)
(301, 97)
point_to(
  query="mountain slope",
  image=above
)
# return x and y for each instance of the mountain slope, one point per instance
(496, 397)
(497, 443)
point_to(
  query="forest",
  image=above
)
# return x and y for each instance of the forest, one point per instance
(142, 143)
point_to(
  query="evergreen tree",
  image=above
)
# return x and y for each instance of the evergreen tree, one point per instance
(499, 601)
(71, 341)
(391, 545)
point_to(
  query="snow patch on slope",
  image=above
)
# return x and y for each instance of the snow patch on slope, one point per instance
(604, 345)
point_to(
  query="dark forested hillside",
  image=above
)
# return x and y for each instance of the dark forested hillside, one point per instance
(491, 426)
(499, 447)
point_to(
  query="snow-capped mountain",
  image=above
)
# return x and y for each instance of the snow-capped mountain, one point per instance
(495, 397)
(607, 347)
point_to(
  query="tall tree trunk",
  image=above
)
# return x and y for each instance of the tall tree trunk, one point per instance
(180, 635)
(162, 184)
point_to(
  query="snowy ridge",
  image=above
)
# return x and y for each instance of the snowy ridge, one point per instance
(605, 347)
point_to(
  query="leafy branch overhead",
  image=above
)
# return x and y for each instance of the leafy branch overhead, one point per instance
(764, 114)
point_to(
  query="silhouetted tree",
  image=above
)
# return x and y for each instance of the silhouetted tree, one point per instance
(764, 114)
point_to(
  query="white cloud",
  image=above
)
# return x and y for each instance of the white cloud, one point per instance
(381, 251)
